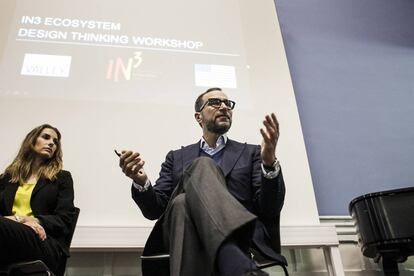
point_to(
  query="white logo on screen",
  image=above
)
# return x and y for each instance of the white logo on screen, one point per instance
(46, 65)
(214, 75)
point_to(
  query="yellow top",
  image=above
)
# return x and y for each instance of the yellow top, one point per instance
(21, 204)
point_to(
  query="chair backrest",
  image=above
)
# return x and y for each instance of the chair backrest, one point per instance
(68, 240)
(32, 268)
(69, 236)
(160, 265)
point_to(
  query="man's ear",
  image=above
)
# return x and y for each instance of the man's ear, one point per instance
(197, 116)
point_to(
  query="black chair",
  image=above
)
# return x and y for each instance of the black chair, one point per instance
(154, 263)
(263, 262)
(68, 240)
(160, 264)
(37, 267)
(32, 268)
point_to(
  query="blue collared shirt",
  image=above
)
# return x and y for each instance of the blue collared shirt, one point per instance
(220, 144)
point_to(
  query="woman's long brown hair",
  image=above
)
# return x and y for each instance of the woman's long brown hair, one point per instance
(21, 167)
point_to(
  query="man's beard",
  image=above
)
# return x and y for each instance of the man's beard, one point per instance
(216, 128)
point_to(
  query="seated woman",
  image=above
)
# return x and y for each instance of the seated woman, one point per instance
(36, 201)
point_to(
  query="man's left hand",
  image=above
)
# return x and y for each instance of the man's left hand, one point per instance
(270, 134)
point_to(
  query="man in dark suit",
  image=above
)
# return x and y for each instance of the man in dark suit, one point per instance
(214, 198)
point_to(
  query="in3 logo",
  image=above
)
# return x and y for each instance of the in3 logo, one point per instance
(117, 68)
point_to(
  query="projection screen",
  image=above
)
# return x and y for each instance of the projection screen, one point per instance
(125, 74)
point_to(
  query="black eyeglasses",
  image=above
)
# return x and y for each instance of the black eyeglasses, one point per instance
(216, 103)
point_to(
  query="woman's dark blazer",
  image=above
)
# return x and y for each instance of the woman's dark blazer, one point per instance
(51, 203)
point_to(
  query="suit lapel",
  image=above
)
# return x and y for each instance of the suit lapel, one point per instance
(9, 194)
(41, 183)
(190, 153)
(232, 153)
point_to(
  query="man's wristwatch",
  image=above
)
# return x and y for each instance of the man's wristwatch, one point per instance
(272, 171)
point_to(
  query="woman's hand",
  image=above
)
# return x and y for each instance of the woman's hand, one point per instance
(40, 231)
(32, 222)
(24, 219)
(14, 218)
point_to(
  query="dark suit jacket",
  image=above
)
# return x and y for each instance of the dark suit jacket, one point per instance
(51, 203)
(241, 166)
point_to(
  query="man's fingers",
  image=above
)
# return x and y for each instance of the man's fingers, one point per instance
(134, 168)
(129, 168)
(132, 157)
(271, 131)
(132, 163)
(272, 126)
(124, 155)
(274, 118)
(265, 135)
(138, 168)
(276, 124)
(127, 157)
